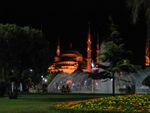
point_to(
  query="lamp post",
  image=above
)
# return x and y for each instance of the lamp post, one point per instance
(93, 81)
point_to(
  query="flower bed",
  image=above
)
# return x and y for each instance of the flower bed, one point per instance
(129, 103)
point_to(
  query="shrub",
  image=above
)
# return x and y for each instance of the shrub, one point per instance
(2, 88)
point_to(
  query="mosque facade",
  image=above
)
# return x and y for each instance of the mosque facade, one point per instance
(70, 61)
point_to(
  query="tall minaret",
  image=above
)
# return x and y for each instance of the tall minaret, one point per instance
(97, 51)
(57, 52)
(58, 48)
(89, 58)
(147, 54)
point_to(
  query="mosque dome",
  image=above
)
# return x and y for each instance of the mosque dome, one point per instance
(73, 60)
(67, 62)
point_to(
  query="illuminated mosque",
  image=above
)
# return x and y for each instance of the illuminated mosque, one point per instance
(70, 61)
(80, 82)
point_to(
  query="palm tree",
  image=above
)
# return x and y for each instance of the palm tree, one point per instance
(135, 6)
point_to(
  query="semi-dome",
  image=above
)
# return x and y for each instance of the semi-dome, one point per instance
(72, 52)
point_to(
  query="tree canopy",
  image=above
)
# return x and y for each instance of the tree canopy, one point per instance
(136, 6)
(116, 55)
(22, 49)
(114, 51)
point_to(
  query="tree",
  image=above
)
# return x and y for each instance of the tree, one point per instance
(51, 76)
(124, 65)
(146, 81)
(22, 49)
(100, 75)
(2, 87)
(136, 5)
(115, 53)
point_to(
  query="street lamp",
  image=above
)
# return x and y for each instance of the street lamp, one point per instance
(31, 70)
(93, 81)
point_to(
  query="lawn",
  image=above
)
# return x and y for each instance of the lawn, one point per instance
(37, 103)
(75, 103)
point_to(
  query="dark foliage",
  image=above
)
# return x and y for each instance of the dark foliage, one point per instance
(2, 88)
(101, 75)
(22, 49)
(13, 95)
(146, 81)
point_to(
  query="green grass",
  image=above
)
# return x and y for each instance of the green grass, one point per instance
(37, 103)
(47, 103)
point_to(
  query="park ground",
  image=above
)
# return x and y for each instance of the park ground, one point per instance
(37, 103)
(46, 103)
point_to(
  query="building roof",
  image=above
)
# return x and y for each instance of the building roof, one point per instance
(75, 52)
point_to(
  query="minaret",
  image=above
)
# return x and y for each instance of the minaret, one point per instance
(147, 54)
(57, 52)
(97, 51)
(58, 49)
(89, 59)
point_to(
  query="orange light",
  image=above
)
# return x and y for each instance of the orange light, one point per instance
(69, 82)
(147, 61)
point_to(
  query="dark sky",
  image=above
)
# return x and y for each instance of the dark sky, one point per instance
(69, 22)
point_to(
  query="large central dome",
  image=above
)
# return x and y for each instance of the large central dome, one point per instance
(67, 62)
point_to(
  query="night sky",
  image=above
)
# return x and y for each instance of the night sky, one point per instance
(69, 22)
